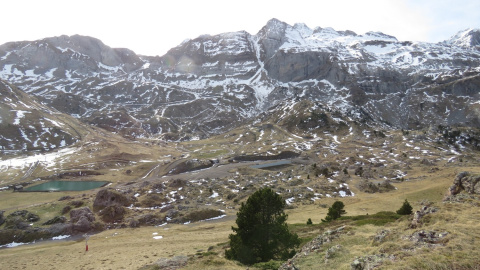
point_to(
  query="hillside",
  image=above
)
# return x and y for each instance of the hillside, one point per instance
(26, 125)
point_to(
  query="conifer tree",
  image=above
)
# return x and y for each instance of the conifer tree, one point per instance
(262, 233)
(406, 208)
(335, 211)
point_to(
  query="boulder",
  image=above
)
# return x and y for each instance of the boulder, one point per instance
(83, 225)
(78, 213)
(82, 219)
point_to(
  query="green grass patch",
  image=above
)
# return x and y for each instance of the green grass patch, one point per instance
(378, 219)
(268, 265)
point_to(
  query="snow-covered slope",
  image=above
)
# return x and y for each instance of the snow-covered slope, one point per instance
(210, 84)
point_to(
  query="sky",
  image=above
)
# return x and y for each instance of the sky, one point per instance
(152, 27)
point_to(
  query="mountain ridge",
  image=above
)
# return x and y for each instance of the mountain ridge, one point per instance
(210, 84)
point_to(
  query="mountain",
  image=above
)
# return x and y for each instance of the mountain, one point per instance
(27, 125)
(211, 84)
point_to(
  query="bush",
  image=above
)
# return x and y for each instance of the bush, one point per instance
(406, 208)
(309, 221)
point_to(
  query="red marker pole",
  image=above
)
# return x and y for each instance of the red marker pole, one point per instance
(86, 241)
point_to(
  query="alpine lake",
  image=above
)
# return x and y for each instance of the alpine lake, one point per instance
(66, 186)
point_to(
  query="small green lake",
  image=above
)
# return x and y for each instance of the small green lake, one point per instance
(67, 186)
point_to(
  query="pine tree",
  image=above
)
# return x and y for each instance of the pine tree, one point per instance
(406, 208)
(335, 211)
(262, 233)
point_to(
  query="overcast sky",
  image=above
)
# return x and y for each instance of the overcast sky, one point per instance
(152, 27)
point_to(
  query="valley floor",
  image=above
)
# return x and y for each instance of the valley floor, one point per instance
(426, 171)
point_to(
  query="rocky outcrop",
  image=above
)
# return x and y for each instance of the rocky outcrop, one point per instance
(110, 197)
(110, 205)
(19, 228)
(428, 238)
(465, 181)
(465, 189)
(20, 219)
(418, 215)
(314, 245)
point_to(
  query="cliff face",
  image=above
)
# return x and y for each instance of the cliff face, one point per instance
(210, 84)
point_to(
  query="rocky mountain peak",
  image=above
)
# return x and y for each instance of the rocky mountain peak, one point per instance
(467, 38)
(80, 54)
(303, 29)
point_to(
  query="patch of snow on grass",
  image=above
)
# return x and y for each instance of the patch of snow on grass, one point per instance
(214, 195)
(60, 237)
(13, 244)
(290, 200)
